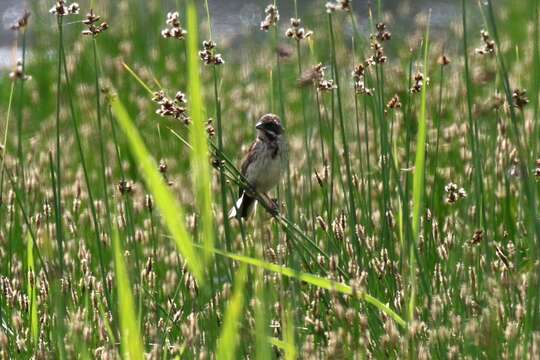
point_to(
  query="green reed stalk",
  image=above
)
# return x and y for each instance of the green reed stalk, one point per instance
(282, 115)
(528, 185)
(535, 86)
(93, 211)
(20, 153)
(59, 231)
(200, 167)
(418, 190)
(101, 135)
(473, 133)
(4, 150)
(217, 106)
(350, 189)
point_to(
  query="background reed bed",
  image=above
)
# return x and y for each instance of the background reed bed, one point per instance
(408, 220)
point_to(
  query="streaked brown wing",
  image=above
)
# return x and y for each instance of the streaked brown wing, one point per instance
(248, 159)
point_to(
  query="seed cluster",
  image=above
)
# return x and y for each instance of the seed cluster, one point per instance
(18, 73)
(22, 22)
(61, 9)
(296, 31)
(418, 83)
(338, 5)
(360, 82)
(520, 98)
(174, 29)
(173, 108)
(454, 193)
(271, 19)
(93, 29)
(208, 55)
(488, 47)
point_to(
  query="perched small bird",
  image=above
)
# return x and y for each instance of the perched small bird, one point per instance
(263, 165)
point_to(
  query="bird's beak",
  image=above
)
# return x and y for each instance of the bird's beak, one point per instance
(259, 125)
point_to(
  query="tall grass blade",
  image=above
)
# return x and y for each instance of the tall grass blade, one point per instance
(199, 159)
(130, 337)
(418, 181)
(229, 337)
(31, 292)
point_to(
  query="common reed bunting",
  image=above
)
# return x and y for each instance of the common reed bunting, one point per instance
(263, 165)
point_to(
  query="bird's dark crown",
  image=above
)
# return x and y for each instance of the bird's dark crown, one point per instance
(270, 123)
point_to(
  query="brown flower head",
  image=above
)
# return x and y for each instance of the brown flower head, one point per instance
(339, 5)
(22, 22)
(208, 55)
(173, 108)
(174, 29)
(489, 45)
(454, 193)
(296, 31)
(61, 9)
(418, 83)
(90, 22)
(271, 19)
(520, 98)
(18, 73)
(443, 60)
(315, 76)
(359, 80)
(382, 33)
(394, 102)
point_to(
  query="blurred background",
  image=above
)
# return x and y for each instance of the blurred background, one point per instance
(233, 20)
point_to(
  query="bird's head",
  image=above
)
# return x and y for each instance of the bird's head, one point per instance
(269, 126)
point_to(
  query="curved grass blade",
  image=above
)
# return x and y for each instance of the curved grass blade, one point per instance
(313, 280)
(170, 209)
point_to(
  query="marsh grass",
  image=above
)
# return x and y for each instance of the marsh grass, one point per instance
(111, 255)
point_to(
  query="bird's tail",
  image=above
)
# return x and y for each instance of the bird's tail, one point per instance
(243, 207)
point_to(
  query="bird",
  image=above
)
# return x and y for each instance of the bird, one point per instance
(263, 165)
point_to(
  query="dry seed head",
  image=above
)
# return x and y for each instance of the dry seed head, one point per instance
(339, 5)
(173, 108)
(271, 19)
(174, 29)
(394, 102)
(359, 82)
(90, 22)
(418, 82)
(125, 187)
(208, 55)
(60, 9)
(443, 60)
(296, 32)
(520, 98)
(22, 22)
(488, 48)
(18, 73)
(382, 34)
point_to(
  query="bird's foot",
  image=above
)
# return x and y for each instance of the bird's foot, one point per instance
(274, 207)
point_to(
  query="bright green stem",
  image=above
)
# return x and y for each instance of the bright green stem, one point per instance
(418, 189)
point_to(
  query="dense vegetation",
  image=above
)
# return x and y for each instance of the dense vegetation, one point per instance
(408, 221)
